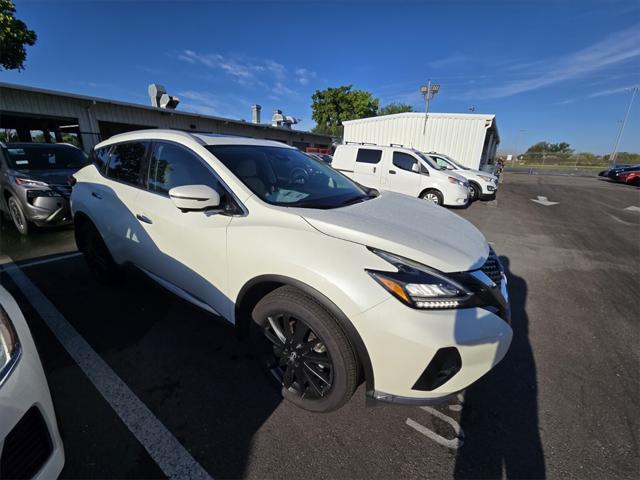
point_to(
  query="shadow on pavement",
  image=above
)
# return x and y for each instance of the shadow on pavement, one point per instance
(500, 413)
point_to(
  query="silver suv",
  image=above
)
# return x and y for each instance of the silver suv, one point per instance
(33, 182)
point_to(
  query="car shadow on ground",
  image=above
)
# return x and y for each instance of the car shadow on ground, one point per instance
(500, 413)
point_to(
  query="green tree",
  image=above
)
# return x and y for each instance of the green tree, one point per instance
(14, 36)
(333, 106)
(395, 108)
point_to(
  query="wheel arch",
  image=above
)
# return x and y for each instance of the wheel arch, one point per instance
(256, 288)
(430, 189)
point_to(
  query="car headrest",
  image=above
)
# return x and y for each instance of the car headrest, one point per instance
(247, 168)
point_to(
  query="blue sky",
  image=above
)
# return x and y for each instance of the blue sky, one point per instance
(550, 70)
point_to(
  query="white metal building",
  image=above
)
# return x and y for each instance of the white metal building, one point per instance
(54, 116)
(471, 139)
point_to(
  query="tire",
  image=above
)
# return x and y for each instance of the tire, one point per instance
(96, 254)
(433, 196)
(17, 215)
(305, 350)
(474, 192)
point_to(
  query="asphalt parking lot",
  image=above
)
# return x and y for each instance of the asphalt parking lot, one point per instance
(563, 402)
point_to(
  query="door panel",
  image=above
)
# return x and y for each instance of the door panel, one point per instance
(400, 176)
(366, 170)
(187, 249)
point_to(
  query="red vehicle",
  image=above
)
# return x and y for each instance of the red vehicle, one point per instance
(630, 178)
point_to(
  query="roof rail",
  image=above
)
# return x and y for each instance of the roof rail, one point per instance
(396, 145)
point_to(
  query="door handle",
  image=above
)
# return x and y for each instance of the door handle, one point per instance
(96, 195)
(374, 169)
(392, 172)
(144, 219)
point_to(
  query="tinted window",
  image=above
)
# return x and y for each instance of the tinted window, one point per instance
(100, 158)
(45, 157)
(126, 163)
(404, 161)
(174, 166)
(442, 163)
(366, 155)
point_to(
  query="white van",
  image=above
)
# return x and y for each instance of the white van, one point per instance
(482, 185)
(401, 170)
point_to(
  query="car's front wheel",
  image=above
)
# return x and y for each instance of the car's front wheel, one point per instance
(18, 216)
(474, 192)
(305, 350)
(433, 196)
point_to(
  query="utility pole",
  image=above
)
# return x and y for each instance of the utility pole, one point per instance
(429, 91)
(614, 154)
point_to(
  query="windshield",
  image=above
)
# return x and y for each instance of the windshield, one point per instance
(457, 164)
(45, 157)
(288, 177)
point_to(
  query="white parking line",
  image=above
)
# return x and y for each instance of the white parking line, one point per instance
(174, 460)
(12, 266)
(453, 443)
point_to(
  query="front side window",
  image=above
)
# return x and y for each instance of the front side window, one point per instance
(173, 166)
(288, 177)
(404, 161)
(442, 163)
(126, 163)
(45, 157)
(367, 155)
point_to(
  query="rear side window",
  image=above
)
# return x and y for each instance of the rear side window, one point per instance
(367, 155)
(100, 158)
(126, 163)
(404, 161)
(174, 166)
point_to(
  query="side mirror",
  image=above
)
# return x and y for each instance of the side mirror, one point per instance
(194, 197)
(415, 167)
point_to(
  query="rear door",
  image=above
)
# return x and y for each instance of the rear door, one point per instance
(401, 175)
(113, 200)
(187, 250)
(367, 169)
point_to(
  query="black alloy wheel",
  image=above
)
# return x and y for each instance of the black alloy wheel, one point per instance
(300, 361)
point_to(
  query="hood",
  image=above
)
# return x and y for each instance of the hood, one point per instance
(52, 177)
(475, 173)
(408, 227)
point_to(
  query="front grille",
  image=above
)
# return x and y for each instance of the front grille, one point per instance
(27, 447)
(492, 267)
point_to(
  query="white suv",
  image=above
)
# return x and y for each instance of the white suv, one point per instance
(334, 282)
(482, 185)
(402, 170)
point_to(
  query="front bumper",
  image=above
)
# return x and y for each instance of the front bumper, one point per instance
(26, 411)
(45, 211)
(403, 342)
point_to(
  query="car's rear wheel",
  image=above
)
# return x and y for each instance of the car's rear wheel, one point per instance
(474, 192)
(433, 196)
(303, 347)
(96, 253)
(17, 215)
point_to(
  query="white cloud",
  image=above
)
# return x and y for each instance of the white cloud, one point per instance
(304, 76)
(448, 61)
(611, 91)
(614, 49)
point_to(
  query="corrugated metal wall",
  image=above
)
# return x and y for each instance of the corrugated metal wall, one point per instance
(462, 137)
(89, 113)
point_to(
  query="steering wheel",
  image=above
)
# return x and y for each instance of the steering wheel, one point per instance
(298, 175)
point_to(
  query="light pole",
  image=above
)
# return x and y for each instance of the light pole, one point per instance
(614, 154)
(521, 133)
(428, 91)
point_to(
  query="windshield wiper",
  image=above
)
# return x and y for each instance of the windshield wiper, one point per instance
(357, 199)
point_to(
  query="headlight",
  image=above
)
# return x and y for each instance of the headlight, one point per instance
(418, 286)
(27, 182)
(485, 178)
(9, 346)
(42, 193)
(455, 181)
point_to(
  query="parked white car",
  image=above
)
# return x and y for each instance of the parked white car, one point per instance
(482, 185)
(401, 170)
(335, 282)
(30, 445)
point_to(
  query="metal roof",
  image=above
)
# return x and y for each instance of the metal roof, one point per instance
(94, 100)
